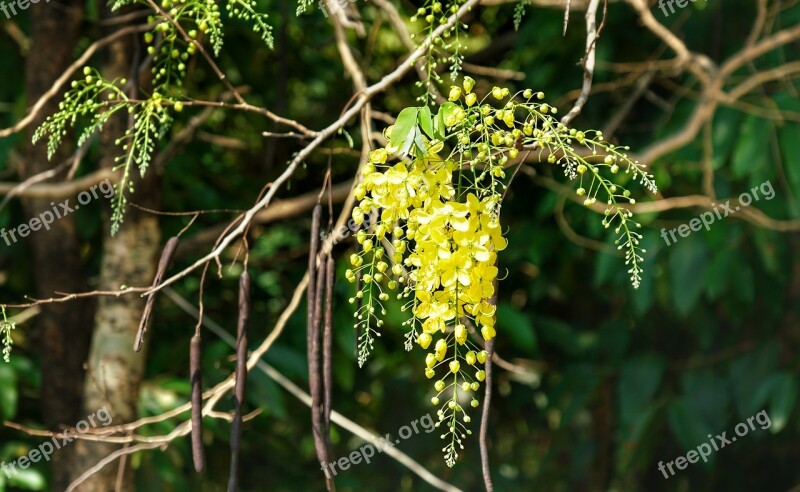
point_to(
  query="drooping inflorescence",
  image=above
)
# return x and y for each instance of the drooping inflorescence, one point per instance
(436, 242)
(6, 327)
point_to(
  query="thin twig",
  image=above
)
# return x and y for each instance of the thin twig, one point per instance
(588, 60)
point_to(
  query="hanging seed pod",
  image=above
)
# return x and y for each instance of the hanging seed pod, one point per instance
(163, 264)
(195, 374)
(241, 378)
(311, 291)
(327, 347)
(316, 282)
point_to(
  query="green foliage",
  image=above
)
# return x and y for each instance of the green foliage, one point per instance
(448, 48)
(98, 99)
(519, 12)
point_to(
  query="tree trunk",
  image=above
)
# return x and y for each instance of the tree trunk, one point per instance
(64, 329)
(115, 370)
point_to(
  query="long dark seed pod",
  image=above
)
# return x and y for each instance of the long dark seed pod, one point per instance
(314, 298)
(241, 378)
(163, 264)
(315, 378)
(312, 274)
(327, 349)
(195, 374)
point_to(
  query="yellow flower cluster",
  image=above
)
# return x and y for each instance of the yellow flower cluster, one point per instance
(442, 246)
(439, 233)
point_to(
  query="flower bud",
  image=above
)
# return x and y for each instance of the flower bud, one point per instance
(470, 357)
(441, 350)
(461, 334)
(469, 83)
(424, 340)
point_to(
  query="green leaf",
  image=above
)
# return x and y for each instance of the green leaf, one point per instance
(747, 376)
(630, 454)
(406, 122)
(439, 128)
(790, 147)
(30, 479)
(446, 109)
(718, 275)
(517, 326)
(688, 264)
(419, 142)
(752, 147)
(639, 380)
(707, 394)
(782, 400)
(425, 120)
(8, 392)
(726, 126)
(560, 334)
(266, 393)
(409, 141)
(689, 430)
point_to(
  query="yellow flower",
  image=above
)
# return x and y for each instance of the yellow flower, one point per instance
(378, 156)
